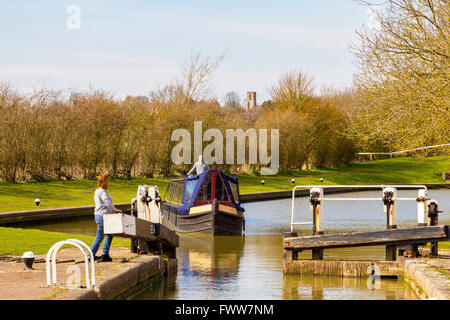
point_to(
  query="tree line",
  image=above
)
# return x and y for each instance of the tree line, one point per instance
(68, 134)
(401, 91)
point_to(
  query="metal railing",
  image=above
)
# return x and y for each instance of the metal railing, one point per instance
(404, 151)
(88, 259)
(389, 207)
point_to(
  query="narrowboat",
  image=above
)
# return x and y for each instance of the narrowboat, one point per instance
(206, 203)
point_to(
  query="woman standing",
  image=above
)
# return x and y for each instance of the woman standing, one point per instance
(103, 205)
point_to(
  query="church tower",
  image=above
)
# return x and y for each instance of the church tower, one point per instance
(251, 101)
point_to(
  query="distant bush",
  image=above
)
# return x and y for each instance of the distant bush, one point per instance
(253, 171)
(283, 171)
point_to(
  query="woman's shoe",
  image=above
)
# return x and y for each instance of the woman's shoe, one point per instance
(106, 258)
(96, 258)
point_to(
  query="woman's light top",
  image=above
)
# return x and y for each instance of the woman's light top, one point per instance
(103, 202)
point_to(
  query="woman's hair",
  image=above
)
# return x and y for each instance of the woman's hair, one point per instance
(102, 181)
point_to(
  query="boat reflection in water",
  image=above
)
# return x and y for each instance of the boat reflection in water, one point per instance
(210, 257)
(207, 265)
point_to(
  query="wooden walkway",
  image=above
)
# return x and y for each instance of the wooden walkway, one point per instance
(390, 238)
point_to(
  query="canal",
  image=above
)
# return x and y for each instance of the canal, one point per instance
(251, 267)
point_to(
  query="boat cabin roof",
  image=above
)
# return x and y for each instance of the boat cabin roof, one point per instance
(204, 189)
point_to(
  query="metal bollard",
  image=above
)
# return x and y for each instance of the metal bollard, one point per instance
(389, 195)
(315, 199)
(316, 209)
(433, 220)
(422, 208)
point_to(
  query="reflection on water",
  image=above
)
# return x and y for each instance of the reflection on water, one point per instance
(210, 256)
(251, 267)
(255, 272)
(349, 288)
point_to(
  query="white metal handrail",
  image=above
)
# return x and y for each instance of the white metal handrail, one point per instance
(423, 187)
(88, 258)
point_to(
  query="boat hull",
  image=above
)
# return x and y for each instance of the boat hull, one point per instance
(215, 222)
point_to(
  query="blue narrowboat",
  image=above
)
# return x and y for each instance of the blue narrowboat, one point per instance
(205, 203)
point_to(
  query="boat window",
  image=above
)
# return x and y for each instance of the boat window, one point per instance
(167, 194)
(221, 192)
(189, 191)
(174, 192)
(205, 190)
(234, 190)
(178, 194)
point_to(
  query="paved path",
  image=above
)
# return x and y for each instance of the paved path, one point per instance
(430, 277)
(20, 284)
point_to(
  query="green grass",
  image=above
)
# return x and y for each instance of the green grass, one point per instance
(15, 241)
(398, 170)
(444, 245)
(60, 194)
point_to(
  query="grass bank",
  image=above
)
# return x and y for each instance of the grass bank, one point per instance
(60, 194)
(14, 241)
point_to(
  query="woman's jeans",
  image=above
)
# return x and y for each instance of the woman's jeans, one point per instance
(99, 237)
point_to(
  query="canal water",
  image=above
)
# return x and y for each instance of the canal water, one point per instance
(251, 267)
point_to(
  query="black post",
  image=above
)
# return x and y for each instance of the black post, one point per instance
(391, 252)
(134, 243)
(134, 246)
(290, 255)
(389, 202)
(155, 247)
(317, 254)
(170, 252)
(433, 219)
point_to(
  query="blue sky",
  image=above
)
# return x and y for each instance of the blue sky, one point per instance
(132, 47)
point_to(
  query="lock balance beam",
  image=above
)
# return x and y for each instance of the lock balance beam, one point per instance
(390, 238)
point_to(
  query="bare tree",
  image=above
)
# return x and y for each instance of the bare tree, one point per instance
(232, 100)
(196, 73)
(12, 133)
(293, 91)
